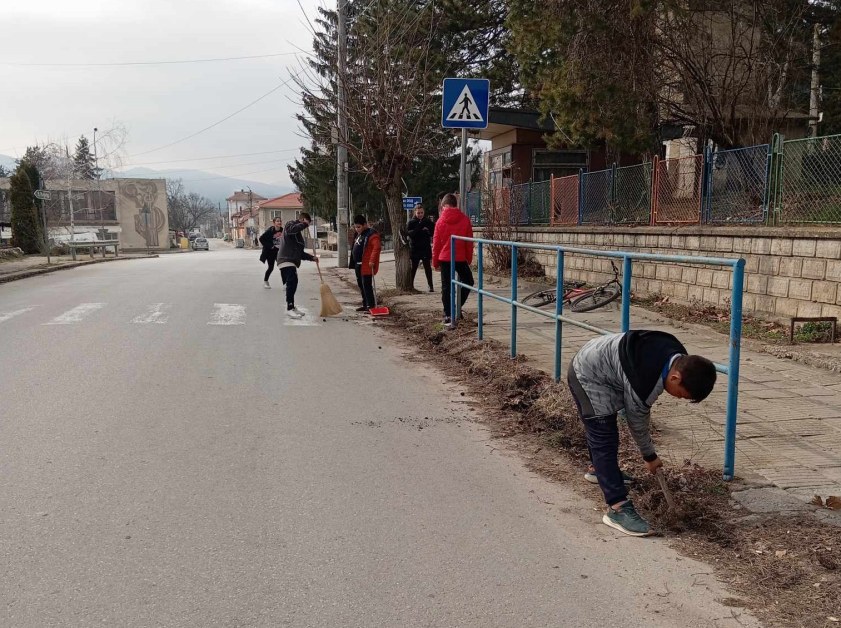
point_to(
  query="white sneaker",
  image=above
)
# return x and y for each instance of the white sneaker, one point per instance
(294, 313)
(267, 285)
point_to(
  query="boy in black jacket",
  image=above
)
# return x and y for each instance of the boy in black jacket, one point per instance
(270, 240)
(289, 256)
(420, 230)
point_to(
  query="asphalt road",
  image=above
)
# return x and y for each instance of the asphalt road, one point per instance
(173, 454)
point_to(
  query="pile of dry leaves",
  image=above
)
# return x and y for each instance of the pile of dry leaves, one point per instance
(784, 568)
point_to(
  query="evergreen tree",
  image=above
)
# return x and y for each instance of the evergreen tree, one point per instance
(84, 164)
(4, 172)
(26, 227)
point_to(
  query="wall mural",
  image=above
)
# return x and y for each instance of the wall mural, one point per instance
(143, 195)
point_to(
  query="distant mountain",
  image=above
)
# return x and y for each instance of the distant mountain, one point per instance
(208, 184)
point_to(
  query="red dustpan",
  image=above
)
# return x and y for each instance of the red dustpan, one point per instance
(377, 310)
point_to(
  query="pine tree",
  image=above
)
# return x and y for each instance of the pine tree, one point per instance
(26, 228)
(84, 164)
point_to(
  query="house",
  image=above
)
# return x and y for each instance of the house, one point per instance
(287, 207)
(242, 214)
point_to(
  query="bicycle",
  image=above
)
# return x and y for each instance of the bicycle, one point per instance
(580, 300)
(541, 298)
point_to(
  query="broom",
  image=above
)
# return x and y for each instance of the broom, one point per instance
(329, 305)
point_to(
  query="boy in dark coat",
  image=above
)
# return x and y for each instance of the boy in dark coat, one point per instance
(420, 229)
(291, 252)
(629, 371)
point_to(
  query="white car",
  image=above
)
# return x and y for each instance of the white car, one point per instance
(201, 243)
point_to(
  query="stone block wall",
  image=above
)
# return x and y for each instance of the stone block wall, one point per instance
(789, 271)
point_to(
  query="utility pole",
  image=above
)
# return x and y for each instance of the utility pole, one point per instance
(814, 92)
(342, 217)
(98, 185)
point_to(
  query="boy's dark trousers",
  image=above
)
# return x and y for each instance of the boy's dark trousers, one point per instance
(463, 274)
(603, 442)
(366, 286)
(289, 275)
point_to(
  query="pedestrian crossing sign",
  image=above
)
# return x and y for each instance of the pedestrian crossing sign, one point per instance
(465, 103)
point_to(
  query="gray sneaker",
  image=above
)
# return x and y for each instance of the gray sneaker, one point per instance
(593, 479)
(627, 520)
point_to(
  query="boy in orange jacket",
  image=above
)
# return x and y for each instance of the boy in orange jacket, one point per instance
(365, 259)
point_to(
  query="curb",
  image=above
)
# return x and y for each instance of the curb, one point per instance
(24, 274)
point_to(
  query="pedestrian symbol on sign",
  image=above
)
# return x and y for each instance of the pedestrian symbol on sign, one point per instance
(465, 107)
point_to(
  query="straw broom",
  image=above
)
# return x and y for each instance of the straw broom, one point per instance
(329, 305)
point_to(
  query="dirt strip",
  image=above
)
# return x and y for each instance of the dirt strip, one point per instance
(783, 566)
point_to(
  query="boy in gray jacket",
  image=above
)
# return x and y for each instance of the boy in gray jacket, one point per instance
(628, 372)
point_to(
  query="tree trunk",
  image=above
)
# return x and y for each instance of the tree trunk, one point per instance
(397, 217)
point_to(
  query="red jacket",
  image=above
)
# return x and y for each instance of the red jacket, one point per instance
(452, 223)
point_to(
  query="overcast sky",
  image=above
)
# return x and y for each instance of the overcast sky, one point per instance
(158, 104)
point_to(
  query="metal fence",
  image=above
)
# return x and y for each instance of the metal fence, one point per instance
(677, 190)
(632, 195)
(808, 180)
(596, 197)
(788, 181)
(564, 200)
(737, 185)
(731, 369)
(474, 208)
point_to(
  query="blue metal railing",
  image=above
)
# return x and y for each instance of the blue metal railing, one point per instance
(731, 369)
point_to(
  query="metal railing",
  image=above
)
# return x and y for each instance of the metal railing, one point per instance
(808, 180)
(737, 185)
(731, 369)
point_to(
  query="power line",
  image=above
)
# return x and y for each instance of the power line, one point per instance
(130, 63)
(228, 117)
(250, 163)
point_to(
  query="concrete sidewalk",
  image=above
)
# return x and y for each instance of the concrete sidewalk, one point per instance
(789, 425)
(31, 265)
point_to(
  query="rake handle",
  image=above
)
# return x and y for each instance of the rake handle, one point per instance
(661, 478)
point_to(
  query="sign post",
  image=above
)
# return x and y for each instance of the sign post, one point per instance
(465, 106)
(409, 203)
(44, 195)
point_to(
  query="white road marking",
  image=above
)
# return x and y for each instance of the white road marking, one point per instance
(4, 316)
(308, 320)
(227, 314)
(76, 314)
(156, 313)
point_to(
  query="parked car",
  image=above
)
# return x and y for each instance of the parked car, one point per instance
(200, 243)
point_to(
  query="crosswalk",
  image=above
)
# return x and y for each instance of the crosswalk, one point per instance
(219, 314)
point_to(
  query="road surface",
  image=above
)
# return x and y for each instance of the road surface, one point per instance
(174, 453)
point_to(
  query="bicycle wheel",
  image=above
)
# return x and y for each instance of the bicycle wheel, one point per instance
(539, 298)
(596, 299)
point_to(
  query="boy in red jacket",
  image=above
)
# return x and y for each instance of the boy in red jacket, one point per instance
(452, 222)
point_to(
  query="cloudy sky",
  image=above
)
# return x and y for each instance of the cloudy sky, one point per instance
(62, 98)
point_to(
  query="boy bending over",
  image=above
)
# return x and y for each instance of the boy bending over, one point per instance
(628, 372)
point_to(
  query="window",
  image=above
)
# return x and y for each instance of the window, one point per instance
(277, 213)
(558, 163)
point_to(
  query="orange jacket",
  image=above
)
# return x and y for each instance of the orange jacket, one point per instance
(371, 255)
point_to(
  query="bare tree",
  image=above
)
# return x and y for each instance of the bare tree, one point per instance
(393, 80)
(186, 210)
(728, 69)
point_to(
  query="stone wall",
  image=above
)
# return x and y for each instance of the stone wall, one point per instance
(789, 271)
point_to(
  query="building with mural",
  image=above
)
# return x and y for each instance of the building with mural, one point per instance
(132, 211)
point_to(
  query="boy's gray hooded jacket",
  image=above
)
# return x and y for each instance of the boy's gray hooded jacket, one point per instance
(624, 371)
